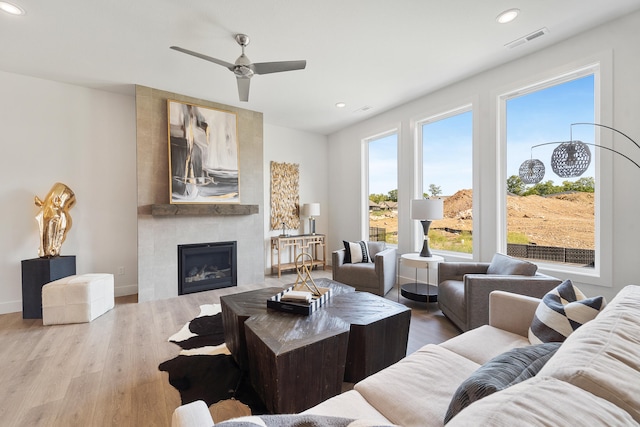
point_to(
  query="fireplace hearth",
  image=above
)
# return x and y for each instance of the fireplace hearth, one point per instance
(206, 266)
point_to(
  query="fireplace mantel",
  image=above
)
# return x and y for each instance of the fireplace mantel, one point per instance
(204, 209)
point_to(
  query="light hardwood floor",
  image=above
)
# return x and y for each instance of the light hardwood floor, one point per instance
(105, 373)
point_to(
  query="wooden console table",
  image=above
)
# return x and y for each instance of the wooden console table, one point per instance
(313, 244)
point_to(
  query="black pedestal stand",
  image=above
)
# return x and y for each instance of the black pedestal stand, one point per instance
(38, 272)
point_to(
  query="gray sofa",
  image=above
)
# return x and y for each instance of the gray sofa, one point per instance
(377, 278)
(464, 287)
(592, 379)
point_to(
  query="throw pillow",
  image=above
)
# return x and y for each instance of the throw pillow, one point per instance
(507, 265)
(499, 373)
(356, 252)
(561, 311)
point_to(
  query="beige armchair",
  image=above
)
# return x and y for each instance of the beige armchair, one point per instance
(377, 277)
(464, 287)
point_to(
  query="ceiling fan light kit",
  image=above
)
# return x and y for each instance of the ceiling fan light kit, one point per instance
(244, 69)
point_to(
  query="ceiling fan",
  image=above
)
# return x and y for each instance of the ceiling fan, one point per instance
(244, 69)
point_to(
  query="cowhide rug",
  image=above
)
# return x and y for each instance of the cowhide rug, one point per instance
(204, 368)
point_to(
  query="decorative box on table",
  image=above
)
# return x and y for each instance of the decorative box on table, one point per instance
(276, 302)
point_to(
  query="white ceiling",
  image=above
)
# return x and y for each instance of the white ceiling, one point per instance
(374, 53)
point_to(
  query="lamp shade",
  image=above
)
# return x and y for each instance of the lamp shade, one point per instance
(311, 209)
(428, 209)
(570, 159)
(531, 171)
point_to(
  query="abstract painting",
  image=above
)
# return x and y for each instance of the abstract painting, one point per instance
(203, 154)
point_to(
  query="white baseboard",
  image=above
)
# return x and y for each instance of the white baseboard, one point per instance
(10, 307)
(120, 291)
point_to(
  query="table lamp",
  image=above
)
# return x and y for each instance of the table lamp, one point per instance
(311, 210)
(426, 210)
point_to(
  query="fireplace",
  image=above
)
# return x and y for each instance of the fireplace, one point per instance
(206, 266)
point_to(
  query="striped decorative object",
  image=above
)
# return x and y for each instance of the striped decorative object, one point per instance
(562, 311)
(298, 308)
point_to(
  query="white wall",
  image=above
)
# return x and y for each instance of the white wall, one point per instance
(617, 40)
(84, 138)
(309, 151)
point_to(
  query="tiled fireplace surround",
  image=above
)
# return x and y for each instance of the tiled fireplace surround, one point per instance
(159, 236)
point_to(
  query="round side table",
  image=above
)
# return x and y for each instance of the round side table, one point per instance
(423, 292)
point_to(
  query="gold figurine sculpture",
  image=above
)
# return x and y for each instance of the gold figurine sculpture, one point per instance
(53, 219)
(304, 269)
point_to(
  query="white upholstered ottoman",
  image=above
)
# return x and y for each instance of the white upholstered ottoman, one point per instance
(77, 299)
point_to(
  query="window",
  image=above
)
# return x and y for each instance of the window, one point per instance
(382, 181)
(447, 172)
(553, 221)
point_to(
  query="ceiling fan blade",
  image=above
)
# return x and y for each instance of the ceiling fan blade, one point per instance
(243, 88)
(225, 64)
(277, 67)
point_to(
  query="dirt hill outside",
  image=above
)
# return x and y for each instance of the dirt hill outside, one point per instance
(561, 220)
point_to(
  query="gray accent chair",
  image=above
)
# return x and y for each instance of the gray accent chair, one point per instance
(378, 277)
(464, 287)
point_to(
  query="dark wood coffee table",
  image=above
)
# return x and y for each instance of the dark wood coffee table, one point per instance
(297, 361)
(378, 334)
(237, 308)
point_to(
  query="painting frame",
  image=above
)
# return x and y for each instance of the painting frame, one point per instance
(204, 157)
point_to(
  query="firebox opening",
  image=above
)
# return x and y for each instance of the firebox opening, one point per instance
(206, 266)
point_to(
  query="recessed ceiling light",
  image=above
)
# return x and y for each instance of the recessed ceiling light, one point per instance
(11, 8)
(508, 16)
(340, 104)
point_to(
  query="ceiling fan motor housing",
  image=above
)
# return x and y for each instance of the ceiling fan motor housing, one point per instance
(243, 67)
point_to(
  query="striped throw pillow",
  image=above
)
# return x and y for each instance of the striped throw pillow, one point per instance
(562, 311)
(356, 252)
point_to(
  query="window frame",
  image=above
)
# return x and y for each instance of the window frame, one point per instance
(601, 273)
(416, 229)
(364, 203)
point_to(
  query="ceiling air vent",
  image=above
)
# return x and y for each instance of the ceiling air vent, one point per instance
(529, 37)
(363, 109)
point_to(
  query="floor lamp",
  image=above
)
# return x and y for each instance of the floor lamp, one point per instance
(426, 210)
(569, 160)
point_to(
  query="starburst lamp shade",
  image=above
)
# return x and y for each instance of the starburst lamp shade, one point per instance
(531, 171)
(570, 159)
(426, 210)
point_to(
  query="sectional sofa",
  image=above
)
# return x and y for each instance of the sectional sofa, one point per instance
(593, 378)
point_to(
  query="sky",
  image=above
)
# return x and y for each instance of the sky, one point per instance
(538, 117)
